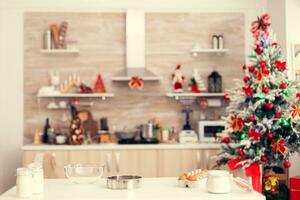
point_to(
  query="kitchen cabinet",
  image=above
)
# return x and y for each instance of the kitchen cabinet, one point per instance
(53, 162)
(144, 162)
(133, 162)
(175, 162)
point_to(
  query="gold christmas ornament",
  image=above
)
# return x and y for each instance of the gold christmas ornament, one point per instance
(271, 183)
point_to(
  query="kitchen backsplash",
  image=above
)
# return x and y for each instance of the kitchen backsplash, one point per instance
(101, 41)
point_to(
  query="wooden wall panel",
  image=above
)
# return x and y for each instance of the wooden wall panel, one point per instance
(101, 40)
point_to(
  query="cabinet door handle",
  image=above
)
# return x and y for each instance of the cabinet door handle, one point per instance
(108, 161)
(198, 157)
(117, 162)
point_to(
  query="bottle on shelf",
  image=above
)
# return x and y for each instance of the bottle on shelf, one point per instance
(45, 132)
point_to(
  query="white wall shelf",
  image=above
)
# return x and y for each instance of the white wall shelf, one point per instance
(103, 96)
(59, 51)
(216, 51)
(177, 96)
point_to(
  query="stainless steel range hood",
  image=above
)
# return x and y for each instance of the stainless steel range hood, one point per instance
(135, 49)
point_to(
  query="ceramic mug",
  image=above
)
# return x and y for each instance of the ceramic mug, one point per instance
(218, 181)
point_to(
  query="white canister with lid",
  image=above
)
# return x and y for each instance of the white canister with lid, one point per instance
(37, 178)
(24, 183)
(218, 181)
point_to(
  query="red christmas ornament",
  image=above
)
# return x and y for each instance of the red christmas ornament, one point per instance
(258, 50)
(269, 135)
(240, 152)
(263, 158)
(298, 96)
(287, 164)
(251, 69)
(226, 140)
(244, 67)
(275, 44)
(283, 85)
(269, 106)
(246, 79)
(248, 91)
(277, 115)
(265, 90)
(252, 118)
(226, 97)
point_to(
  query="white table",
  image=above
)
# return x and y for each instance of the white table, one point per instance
(152, 188)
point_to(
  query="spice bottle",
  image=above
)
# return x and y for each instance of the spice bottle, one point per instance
(24, 183)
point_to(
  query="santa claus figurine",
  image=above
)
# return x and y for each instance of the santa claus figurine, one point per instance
(178, 79)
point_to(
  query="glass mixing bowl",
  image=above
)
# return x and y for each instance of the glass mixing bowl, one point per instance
(84, 173)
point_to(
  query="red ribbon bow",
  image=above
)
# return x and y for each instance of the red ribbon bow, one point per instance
(263, 71)
(253, 134)
(248, 91)
(295, 111)
(281, 66)
(278, 146)
(136, 82)
(237, 123)
(253, 171)
(262, 23)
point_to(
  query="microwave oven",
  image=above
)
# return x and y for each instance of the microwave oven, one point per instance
(208, 130)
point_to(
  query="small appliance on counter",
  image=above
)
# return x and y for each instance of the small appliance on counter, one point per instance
(209, 129)
(187, 135)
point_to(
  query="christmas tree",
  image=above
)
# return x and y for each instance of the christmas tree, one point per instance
(196, 84)
(261, 115)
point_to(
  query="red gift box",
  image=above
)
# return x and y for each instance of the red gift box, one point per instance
(295, 188)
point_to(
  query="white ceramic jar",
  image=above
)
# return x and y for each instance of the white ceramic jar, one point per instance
(24, 183)
(218, 181)
(37, 178)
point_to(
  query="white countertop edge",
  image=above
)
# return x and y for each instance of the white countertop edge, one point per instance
(32, 147)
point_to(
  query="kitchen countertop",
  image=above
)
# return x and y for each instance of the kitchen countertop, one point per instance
(121, 146)
(152, 188)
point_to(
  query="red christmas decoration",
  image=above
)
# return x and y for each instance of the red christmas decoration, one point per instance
(263, 71)
(287, 164)
(136, 82)
(226, 97)
(295, 111)
(244, 67)
(99, 86)
(246, 79)
(265, 90)
(240, 152)
(252, 118)
(269, 135)
(226, 140)
(269, 106)
(277, 115)
(275, 44)
(279, 146)
(248, 91)
(298, 96)
(263, 158)
(258, 50)
(283, 86)
(280, 66)
(85, 88)
(251, 69)
(253, 134)
(262, 23)
(237, 123)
